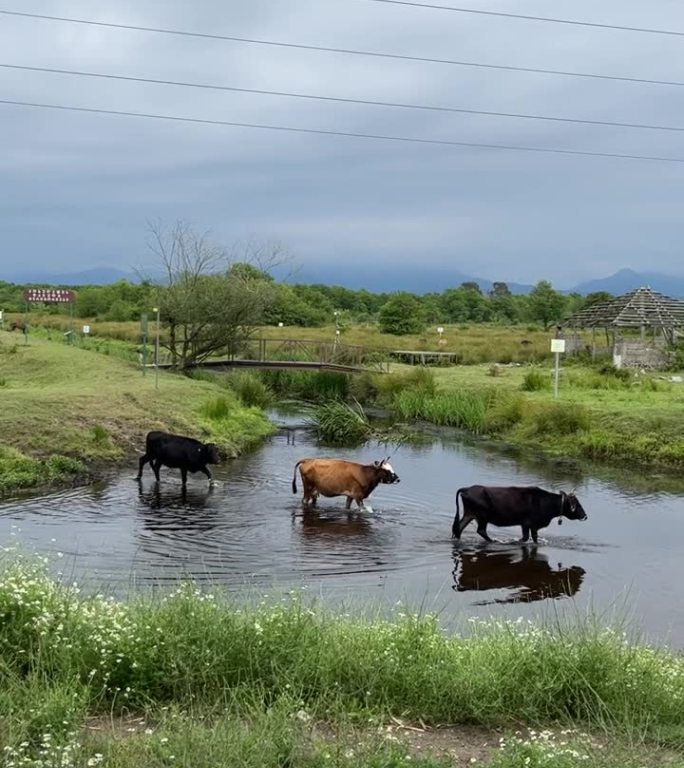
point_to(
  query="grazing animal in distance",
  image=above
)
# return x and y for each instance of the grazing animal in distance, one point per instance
(529, 507)
(338, 477)
(177, 452)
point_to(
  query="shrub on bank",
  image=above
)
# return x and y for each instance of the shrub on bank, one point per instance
(536, 380)
(316, 386)
(545, 419)
(18, 471)
(250, 388)
(338, 423)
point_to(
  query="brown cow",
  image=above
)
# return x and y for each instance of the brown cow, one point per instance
(337, 477)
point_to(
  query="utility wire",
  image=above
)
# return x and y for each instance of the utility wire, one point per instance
(525, 17)
(346, 51)
(348, 134)
(343, 100)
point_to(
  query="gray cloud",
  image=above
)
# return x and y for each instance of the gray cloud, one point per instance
(76, 189)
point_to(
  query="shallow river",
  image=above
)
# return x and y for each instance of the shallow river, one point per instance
(248, 533)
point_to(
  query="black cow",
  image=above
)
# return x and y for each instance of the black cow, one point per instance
(177, 452)
(529, 507)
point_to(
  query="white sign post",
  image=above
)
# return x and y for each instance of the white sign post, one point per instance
(86, 330)
(557, 346)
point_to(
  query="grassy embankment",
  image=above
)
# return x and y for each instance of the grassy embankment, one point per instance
(605, 416)
(191, 680)
(597, 416)
(66, 412)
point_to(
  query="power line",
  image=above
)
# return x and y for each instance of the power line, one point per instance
(525, 17)
(343, 100)
(347, 51)
(348, 134)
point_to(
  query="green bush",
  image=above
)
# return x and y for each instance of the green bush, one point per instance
(536, 380)
(338, 423)
(250, 388)
(217, 408)
(558, 418)
(310, 386)
(417, 380)
(465, 409)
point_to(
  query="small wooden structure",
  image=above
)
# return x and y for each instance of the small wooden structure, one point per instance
(659, 320)
(303, 354)
(424, 357)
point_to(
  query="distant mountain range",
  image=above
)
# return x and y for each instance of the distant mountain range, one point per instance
(627, 280)
(382, 278)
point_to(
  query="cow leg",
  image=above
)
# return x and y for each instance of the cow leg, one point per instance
(525, 532)
(534, 535)
(465, 520)
(206, 471)
(184, 475)
(143, 460)
(348, 503)
(155, 468)
(482, 530)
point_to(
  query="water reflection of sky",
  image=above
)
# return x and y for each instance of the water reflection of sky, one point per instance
(249, 534)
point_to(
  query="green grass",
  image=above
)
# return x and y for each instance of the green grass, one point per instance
(213, 679)
(613, 418)
(338, 423)
(67, 411)
(472, 344)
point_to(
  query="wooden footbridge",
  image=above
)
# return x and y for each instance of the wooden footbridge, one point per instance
(296, 354)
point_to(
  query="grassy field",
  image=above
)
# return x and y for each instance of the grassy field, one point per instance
(189, 679)
(472, 343)
(635, 418)
(598, 416)
(66, 412)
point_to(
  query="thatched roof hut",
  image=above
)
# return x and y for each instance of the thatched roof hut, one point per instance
(641, 309)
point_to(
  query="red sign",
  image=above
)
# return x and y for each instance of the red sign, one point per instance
(50, 295)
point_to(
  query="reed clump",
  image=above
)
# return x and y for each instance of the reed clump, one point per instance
(339, 423)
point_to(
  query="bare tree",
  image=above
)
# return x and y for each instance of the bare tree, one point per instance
(206, 306)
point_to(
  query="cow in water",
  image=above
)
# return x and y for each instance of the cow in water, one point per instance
(177, 452)
(529, 507)
(337, 477)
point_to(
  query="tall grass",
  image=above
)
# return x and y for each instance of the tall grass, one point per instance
(194, 649)
(536, 380)
(311, 386)
(465, 409)
(557, 418)
(338, 423)
(250, 388)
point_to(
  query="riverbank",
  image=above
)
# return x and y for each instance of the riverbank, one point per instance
(68, 413)
(615, 417)
(188, 678)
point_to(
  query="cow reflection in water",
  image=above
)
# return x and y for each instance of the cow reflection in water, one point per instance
(323, 526)
(527, 572)
(179, 509)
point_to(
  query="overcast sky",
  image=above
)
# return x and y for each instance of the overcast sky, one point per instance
(77, 189)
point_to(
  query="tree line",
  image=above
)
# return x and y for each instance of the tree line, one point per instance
(210, 299)
(314, 305)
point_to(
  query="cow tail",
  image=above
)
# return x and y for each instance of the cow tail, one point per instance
(457, 519)
(294, 476)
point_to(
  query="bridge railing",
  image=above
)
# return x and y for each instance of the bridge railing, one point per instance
(261, 349)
